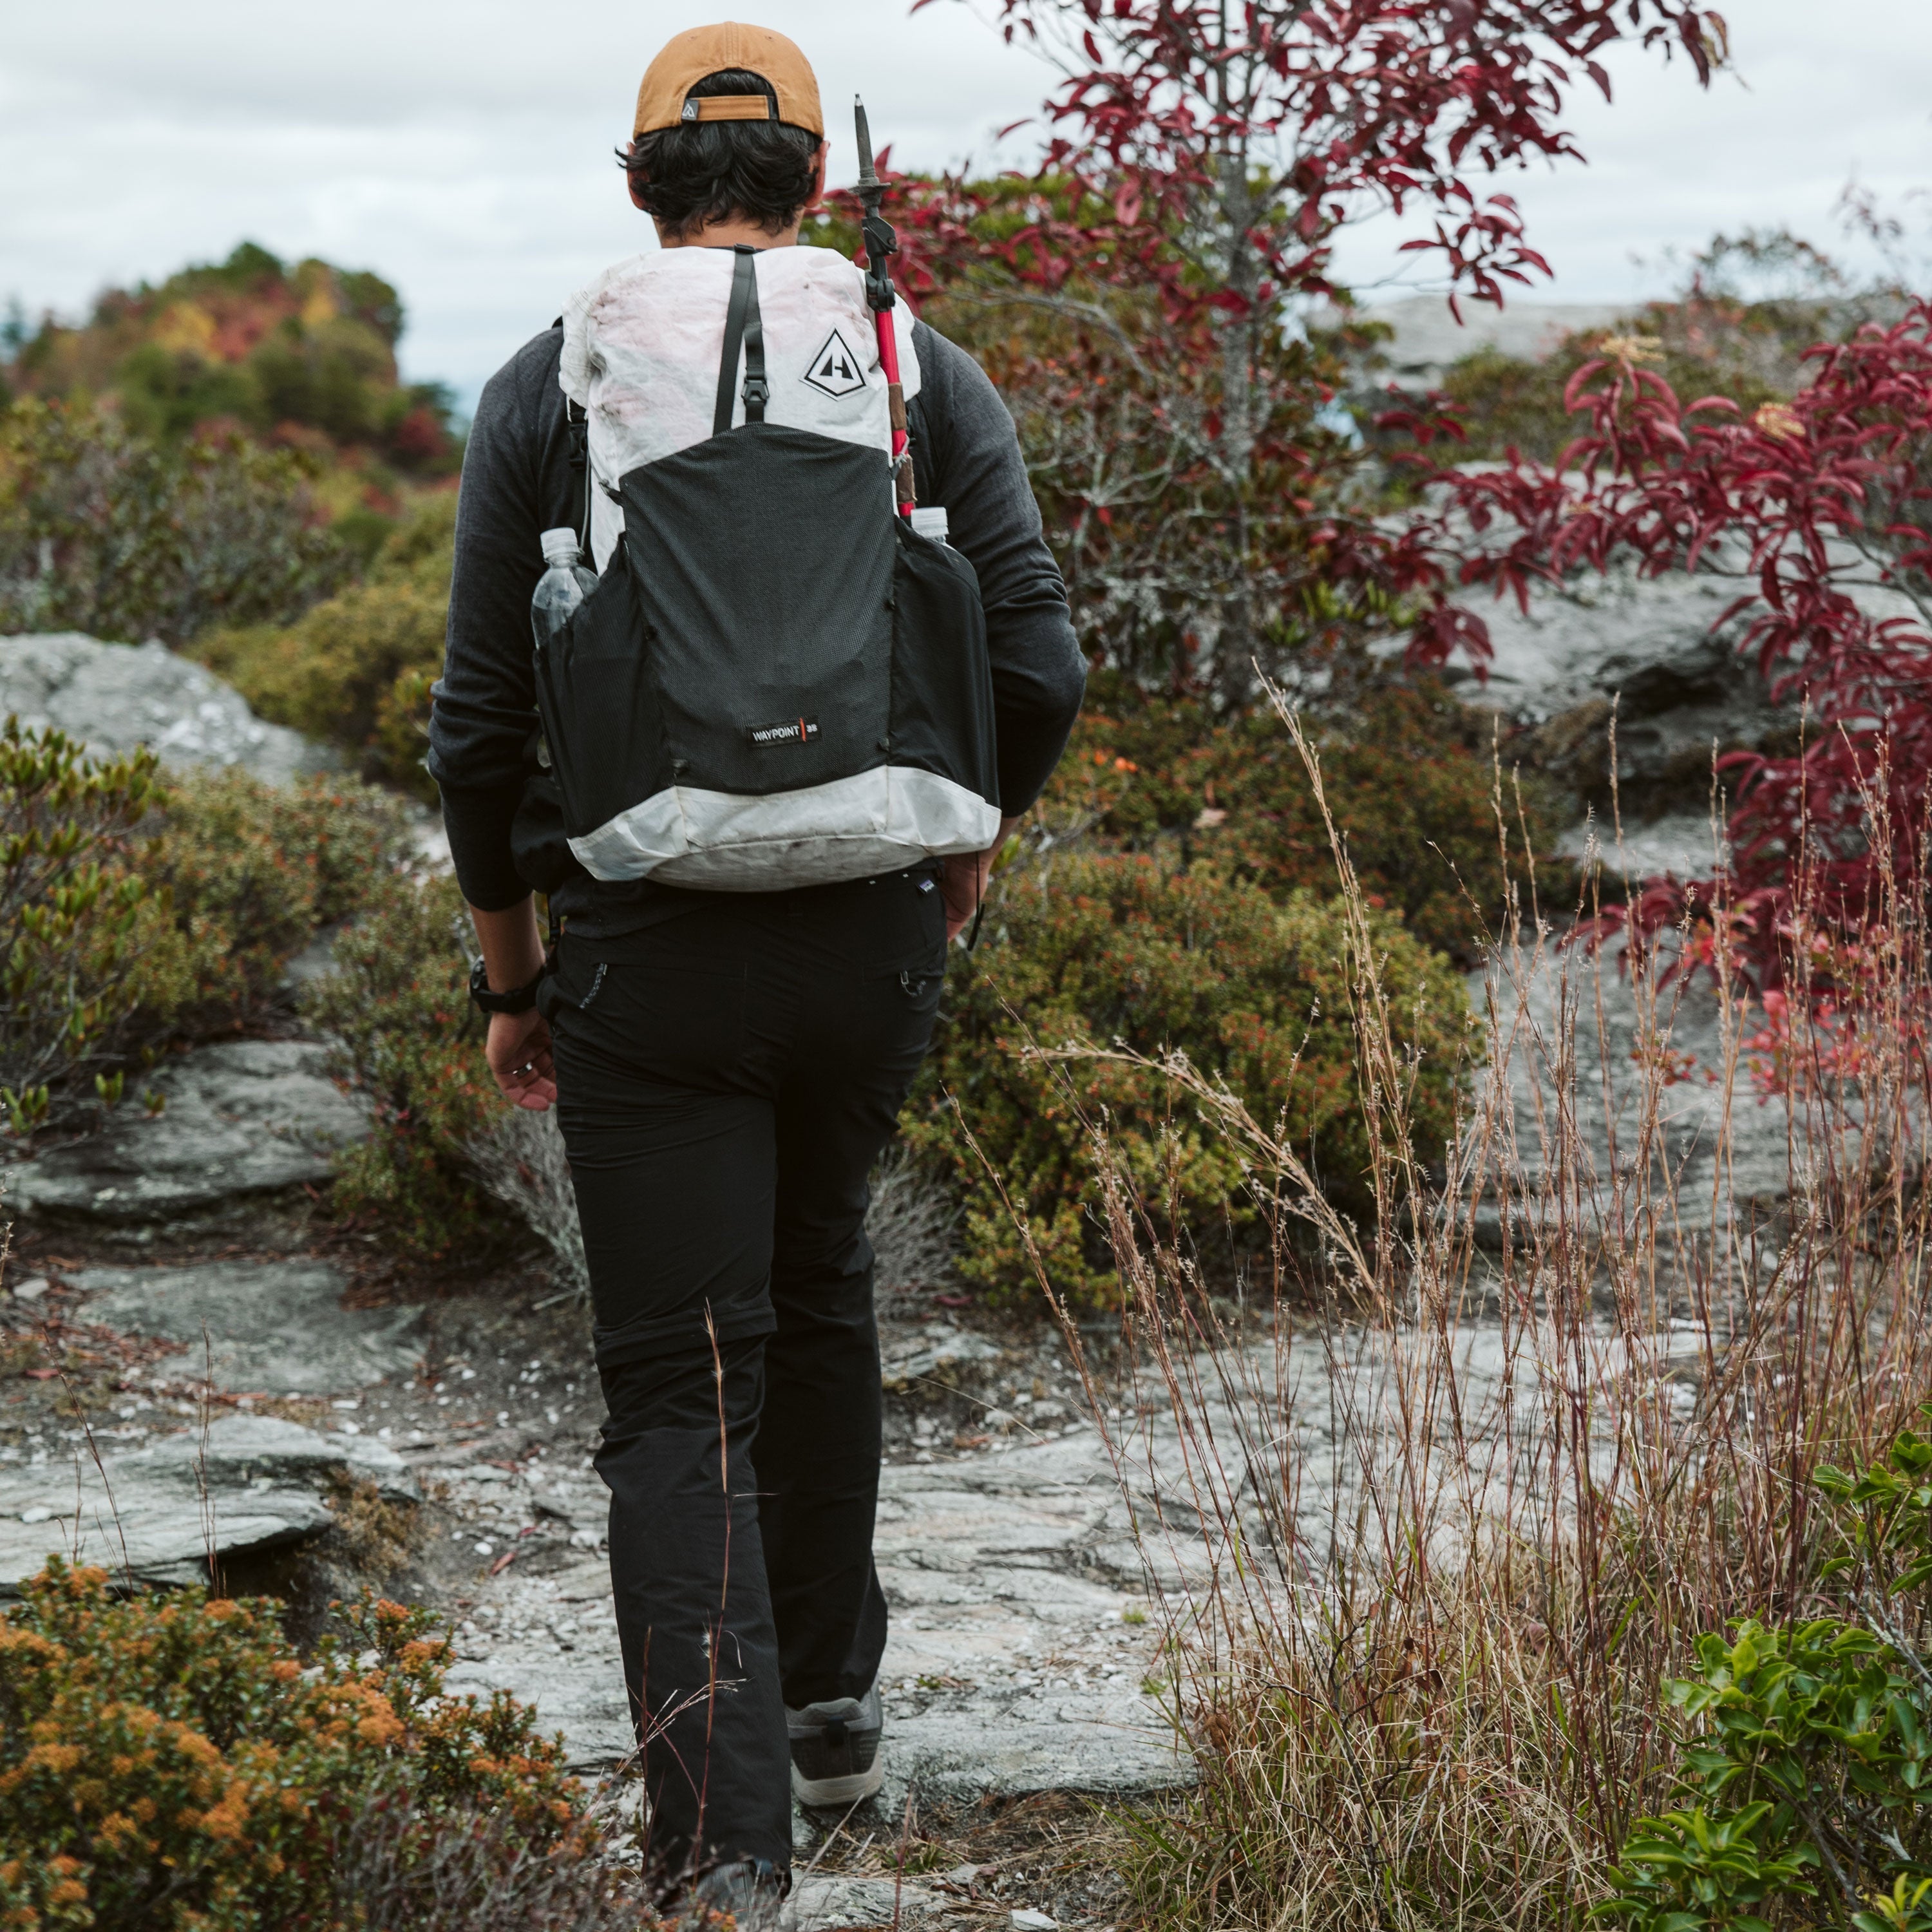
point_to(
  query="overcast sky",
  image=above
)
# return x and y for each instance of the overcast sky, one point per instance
(463, 151)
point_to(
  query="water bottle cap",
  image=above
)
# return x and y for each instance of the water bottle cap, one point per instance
(930, 521)
(559, 546)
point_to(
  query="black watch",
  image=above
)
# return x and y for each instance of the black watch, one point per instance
(519, 1000)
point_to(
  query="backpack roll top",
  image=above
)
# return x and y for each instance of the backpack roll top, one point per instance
(776, 682)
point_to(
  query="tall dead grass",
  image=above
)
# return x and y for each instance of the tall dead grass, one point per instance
(1437, 1509)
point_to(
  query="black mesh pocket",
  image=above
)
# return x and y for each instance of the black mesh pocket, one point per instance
(599, 704)
(942, 677)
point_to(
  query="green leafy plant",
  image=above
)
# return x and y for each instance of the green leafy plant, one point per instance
(356, 671)
(1098, 949)
(245, 874)
(398, 1005)
(1407, 778)
(72, 905)
(1807, 1764)
(103, 531)
(142, 907)
(170, 1763)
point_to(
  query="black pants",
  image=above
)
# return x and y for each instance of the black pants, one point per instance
(725, 1082)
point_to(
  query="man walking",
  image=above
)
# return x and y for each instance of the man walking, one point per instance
(728, 1060)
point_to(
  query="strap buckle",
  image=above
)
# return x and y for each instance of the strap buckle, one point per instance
(744, 332)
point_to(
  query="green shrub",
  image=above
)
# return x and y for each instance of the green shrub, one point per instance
(168, 1762)
(1405, 775)
(247, 874)
(1097, 948)
(103, 531)
(356, 671)
(398, 1004)
(141, 908)
(74, 909)
(1807, 1768)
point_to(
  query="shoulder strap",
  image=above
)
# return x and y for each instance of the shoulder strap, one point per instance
(744, 331)
(577, 420)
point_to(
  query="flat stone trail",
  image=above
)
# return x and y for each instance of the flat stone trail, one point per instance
(1020, 1633)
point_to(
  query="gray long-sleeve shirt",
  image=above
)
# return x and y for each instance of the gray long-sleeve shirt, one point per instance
(518, 482)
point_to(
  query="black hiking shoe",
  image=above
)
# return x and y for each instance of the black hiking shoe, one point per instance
(834, 1750)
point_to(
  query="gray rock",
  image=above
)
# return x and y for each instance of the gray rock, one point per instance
(1009, 1667)
(274, 1327)
(117, 696)
(1646, 645)
(1684, 843)
(831, 1902)
(248, 1117)
(250, 1483)
(932, 1354)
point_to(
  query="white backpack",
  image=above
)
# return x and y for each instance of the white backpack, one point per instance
(777, 681)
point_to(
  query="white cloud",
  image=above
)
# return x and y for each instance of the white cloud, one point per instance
(464, 150)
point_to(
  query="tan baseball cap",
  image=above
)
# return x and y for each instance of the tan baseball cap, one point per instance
(663, 101)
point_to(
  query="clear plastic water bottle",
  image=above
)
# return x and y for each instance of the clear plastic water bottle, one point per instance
(929, 520)
(561, 587)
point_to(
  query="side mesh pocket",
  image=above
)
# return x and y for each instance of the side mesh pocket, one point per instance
(942, 679)
(598, 699)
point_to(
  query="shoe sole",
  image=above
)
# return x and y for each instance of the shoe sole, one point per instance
(846, 1790)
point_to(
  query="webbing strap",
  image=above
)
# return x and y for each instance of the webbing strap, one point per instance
(577, 421)
(744, 332)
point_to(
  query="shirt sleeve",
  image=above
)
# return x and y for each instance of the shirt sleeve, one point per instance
(966, 456)
(516, 484)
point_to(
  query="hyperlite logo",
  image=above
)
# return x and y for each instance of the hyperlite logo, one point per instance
(793, 731)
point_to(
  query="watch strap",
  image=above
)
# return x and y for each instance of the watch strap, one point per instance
(517, 1000)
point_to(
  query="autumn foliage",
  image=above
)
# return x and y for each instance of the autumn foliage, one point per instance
(1820, 510)
(1141, 296)
(172, 1763)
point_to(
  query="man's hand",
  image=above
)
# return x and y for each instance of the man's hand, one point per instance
(517, 1045)
(518, 1049)
(962, 880)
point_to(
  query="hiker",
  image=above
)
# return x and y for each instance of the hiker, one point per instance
(791, 730)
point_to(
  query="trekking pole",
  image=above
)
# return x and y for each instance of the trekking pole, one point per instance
(881, 245)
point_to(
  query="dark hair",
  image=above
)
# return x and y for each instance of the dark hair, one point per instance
(705, 171)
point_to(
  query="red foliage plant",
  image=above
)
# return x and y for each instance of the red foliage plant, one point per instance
(1822, 510)
(1202, 488)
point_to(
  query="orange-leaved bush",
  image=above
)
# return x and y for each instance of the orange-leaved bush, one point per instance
(167, 1762)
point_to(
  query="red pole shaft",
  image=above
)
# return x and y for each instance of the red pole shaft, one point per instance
(889, 361)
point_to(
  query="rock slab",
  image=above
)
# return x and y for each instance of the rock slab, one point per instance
(1012, 1666)
(1648, 647)
(268, 1327)
(249, 1482)
(247, 1117)
(119, 697)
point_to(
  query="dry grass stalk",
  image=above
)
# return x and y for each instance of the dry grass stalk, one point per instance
(1432, 1530)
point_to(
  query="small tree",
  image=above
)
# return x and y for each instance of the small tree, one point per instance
(1204, 160)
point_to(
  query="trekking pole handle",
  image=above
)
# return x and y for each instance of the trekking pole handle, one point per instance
(881, 245)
